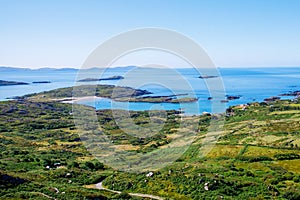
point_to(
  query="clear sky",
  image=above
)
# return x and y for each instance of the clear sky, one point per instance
(235, 33)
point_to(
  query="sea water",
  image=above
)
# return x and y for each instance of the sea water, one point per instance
(251, 84)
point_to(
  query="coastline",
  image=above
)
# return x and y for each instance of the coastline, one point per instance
(76, 99)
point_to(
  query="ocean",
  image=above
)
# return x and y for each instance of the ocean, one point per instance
(250, 84)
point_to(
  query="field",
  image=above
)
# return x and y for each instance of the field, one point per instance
(257, 155)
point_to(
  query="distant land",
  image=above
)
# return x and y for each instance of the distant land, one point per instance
(39, 82)
(206, 76)
(6, 83)
(101, 79)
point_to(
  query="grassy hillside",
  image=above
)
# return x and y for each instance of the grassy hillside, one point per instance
(256, 157)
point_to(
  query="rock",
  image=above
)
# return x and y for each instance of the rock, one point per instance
(206, 188)
(272, 99)
(293, 93)
(231, 97)
(150, 174)
(54, 190)
(206, 113)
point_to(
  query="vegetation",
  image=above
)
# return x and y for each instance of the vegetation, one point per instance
(256, 157)
(108, 91)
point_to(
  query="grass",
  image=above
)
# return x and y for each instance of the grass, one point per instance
(255, 157)
(229, 151)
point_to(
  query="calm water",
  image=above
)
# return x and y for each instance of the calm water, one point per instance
(253, 84)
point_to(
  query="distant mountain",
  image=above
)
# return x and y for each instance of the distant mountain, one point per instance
(3, 69)
(10, 69)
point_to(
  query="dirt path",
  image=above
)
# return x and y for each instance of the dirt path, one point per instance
(100, 187)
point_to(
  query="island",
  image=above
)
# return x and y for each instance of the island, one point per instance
(232, 97)
(40, 82)
(7, 83)
(206, 76)
(292, 93)
(101, 79)
(117, 93)
(272, 99)
(158, 99)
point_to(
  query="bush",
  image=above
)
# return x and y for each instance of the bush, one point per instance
(291, 195)
(254, 159)
(289, 156)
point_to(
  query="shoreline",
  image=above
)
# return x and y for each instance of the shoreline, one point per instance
(76, 99)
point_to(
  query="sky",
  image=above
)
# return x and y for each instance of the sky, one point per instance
(234, 33)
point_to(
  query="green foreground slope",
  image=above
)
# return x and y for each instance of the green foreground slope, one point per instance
(256, 157)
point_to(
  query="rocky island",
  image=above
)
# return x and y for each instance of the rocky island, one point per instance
(293, 93)
(6, 83)
(232, 97)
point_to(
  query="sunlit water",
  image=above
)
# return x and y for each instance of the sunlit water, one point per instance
(253, 84)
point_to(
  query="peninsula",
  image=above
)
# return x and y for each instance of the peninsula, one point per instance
(117, 93)
(6, 83)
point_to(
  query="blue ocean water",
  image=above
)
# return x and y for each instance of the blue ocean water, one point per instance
(252, 84)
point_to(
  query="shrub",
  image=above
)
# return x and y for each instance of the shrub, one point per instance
(289, 156)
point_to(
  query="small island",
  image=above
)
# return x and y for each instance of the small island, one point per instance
(101, 79)
(232, 97)
(158, 99)
(40, 82)
(7, 83)
(206, 76)
(293, 93)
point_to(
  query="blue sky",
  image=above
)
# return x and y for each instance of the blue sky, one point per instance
(235, 33)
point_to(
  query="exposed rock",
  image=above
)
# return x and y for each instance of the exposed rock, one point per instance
(294, 93)
(232, 97)
(272, 99)
(150, 174)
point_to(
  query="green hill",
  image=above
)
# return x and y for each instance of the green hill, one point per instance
(257, 155)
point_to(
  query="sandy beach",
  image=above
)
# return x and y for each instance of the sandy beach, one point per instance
(77, 99)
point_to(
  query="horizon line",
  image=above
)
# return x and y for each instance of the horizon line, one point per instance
(124, 66)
